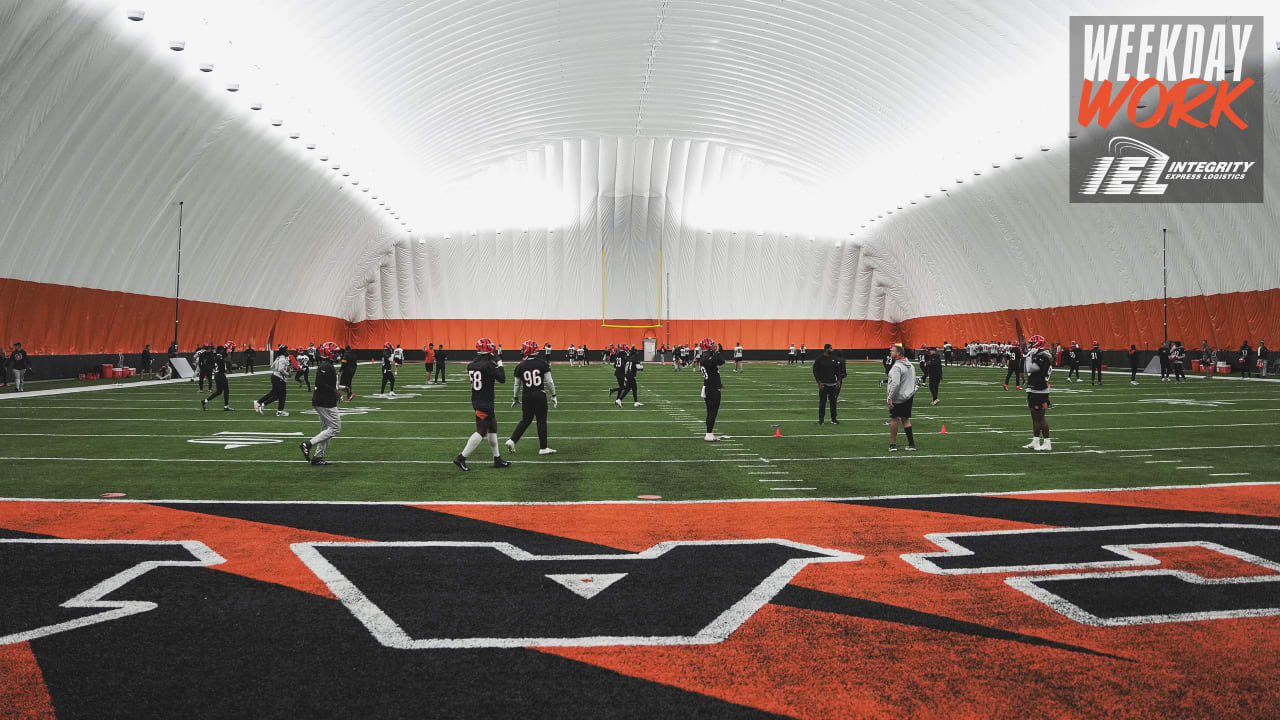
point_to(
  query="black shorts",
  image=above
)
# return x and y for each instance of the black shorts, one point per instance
(1037, 401)
(902, 409)
(430, 367)
(486, 422)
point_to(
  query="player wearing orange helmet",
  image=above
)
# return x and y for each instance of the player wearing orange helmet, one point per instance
(533, 380)
(1038, 365)
(325, 402)
(483, 373)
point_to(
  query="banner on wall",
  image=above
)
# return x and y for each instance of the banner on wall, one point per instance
(1166, 109)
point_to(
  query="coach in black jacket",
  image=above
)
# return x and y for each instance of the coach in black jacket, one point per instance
(827, 375)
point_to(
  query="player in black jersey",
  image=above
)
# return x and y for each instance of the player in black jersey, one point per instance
(1038, 365)
(388, 370)
(631, 364)
(219, 364)
(710, 362)
(1015, 367)
(533, 377)
(1073, 357)
(888, 365)
(1095, 364)
(205, 363)
(619, 361)
(482, 373)
(348, 374)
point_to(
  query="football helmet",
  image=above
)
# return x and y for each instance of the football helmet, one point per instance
(329, 350)
(282, 348)
(230, 346)
(529, 348)
(485, 345)
(1035, 342)
(707, 345)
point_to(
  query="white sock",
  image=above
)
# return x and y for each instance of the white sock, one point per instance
(473, 442)
(493, 443)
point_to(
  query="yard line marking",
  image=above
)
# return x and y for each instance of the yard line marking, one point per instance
(792, 488)
(996, 474)
(1134, 456)
(779, 472)
(985, 493)
(851, 458)
(1152, 462)
(751, 466)
(1194, 467)
(1228, 474)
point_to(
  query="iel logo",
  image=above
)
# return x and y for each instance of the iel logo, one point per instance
(1166, 109)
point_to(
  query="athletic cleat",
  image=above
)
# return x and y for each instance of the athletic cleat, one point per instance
(1133, 382)
(1006, 387)
(281, 413)
(639, 404)
(317, 462)
(227, 407)
(500, 463)
(204, 404)
(257, 407)
(391, 394)
(546, 451)
(1046, 445)
(893, 448)
(305, 447)
(935, 402)
(1017, 387)
(710, 438)
(461, 462)
(911, 448)
(511, 446)
(618, 402)
(835, 421)
(1033, 445)
(350, 395)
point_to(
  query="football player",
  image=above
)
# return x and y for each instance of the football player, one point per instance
(219, 364)
(1015, 367)
(1095, 364)
(388, 370)
(619, 362)
(397, 356)
(482, 373)
(827, 375)
(281, 368)
(1176, 355)
(710, 362)
(631, 365)
(348, 375)
(1073, 361)
(737, 357)
(303, 361)
(533, 377)
(1038, 365)
(325, 402)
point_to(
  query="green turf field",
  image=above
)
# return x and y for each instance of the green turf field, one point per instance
(139, 440)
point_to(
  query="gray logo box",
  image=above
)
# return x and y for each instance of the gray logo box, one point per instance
(1125, 162)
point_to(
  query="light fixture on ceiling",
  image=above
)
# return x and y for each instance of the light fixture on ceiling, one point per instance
(233, 87)
(206, 67)
(311, 146)
(1044, 148)
(913, 202)
(995, 165)
(324, 158)
(959, 181)
(364, 189)
(177, 45)
(1018, 156)
(1072, 136)
(336, 166)
(276, 122)
(294, 135)
(346, 173)
(355, 182)
(255, 106)
(927, 195)
(977, 172)
(421, 241)
(136, 15)
(375, 197)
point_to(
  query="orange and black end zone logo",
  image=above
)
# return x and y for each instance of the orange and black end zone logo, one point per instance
(1089, 604)
(1166, 109)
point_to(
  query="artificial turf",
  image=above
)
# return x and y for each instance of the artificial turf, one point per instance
(137, 440)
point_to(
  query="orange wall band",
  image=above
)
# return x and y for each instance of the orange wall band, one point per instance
(1224, 320)
(59, 319)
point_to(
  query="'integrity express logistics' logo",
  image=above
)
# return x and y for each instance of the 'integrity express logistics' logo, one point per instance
(1166, 109)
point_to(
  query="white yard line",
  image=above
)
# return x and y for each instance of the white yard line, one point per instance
(1194, 467)
(918, 456)
(1228, 474)
(855, 498)
(996, 474)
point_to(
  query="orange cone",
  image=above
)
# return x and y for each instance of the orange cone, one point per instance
(777, 432)
(944, 430)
